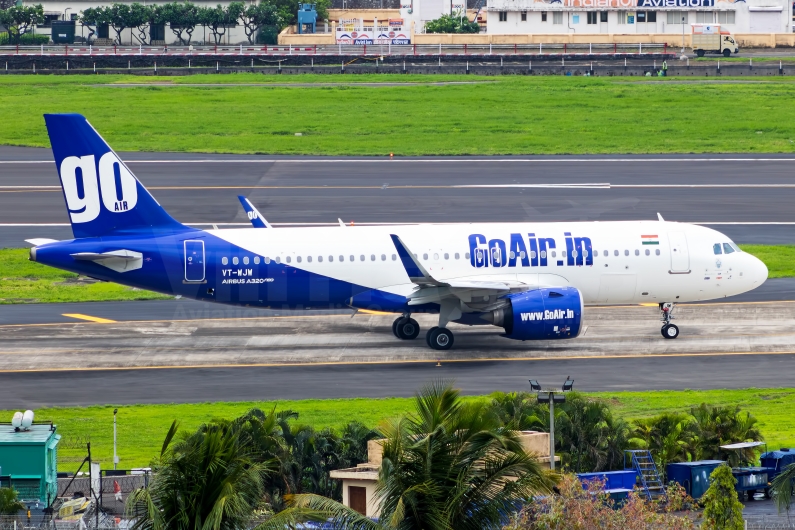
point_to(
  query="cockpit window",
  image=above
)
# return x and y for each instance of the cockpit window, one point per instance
(735, 247)
(717, 249)
(727, 248)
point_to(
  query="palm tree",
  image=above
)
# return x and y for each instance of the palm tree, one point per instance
(671, 437)
(9, 503)
(206, 480)
(783, 487)
(449, 465)
(724, 425)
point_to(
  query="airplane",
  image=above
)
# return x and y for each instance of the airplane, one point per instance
(530, 279)
(256, 218)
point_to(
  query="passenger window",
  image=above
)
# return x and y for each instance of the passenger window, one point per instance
(394, 257)
(456, 255)
(308, 258)
(466, 256)
(256, 260)
(446, 255)
(298, 259)
(289, 259)
(352, 258)
(648, 253)
(554, 254)
(637, 252)
(562, 253)
(245, 260)
(436, 256)
(224, 261)
(278, 259)
(657, 251)
(727, 248)
(606, 253)
(533, 254)
(626, 252)
(615, 253)
(522, 254)
(716, 249)
(361, 258)
(574, 254)
(425, 256)
(320, 259)
(383, 257)
(372, 257)
(235, 261)
(267, 260)
(512, 255)
(543, 254)
(331, 258)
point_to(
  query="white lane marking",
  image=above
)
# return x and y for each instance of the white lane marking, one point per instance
(422, 161)
(29, 187)
(584, 185)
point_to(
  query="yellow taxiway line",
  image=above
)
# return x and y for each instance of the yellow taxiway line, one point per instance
(97, 320)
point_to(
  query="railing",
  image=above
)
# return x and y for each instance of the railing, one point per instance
(528, 50)
(768, 522)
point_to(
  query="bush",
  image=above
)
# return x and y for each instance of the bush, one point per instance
(452, 24)
(27, 39)
(722, 509)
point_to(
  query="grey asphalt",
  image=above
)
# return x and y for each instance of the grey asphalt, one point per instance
(773, 290)
(202, 188)
(68, 388)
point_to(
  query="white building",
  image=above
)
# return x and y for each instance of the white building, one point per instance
(636, 16)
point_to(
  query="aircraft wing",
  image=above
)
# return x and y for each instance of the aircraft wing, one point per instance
(253, 214)
(480, 295)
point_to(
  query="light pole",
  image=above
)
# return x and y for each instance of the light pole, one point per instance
(552, 396)
(683, 35)
(115, 456)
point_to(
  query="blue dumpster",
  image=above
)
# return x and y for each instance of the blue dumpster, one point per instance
(693, 476)
(777, 461)
(617, 484)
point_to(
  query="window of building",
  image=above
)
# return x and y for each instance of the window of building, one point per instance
(651, 16)
(503, 16)
(705, 17)
(48, 19)
(524, 16)
(641, 17)
(725, 17)
(622, 17)
(592, 17)
(677, 17)
(603, 16)
(557, 17)
(543, 16)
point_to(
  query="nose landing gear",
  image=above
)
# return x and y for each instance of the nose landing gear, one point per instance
(668, 330)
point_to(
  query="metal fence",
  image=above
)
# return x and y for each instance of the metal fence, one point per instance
(768, 522)
(386, 49)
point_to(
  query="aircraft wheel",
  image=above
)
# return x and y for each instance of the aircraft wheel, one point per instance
(406, 328)
(395, 325)
(440, 339)
(670, 331)
(429, 334)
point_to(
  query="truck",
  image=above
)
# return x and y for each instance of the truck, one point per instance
(709, 38)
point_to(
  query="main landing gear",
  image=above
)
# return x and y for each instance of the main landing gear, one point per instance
(438, 338)
(405, 328)
(668, 330)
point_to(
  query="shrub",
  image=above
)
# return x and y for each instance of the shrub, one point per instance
(454, 23)
(31, 39)
(722, 510)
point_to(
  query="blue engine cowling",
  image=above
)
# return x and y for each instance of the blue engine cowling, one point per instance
(543, 314)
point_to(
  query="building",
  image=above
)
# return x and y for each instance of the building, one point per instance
(512, 17)
(358, 483)
(29, 462)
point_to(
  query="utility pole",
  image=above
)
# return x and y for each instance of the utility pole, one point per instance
(115, 456)
(552, 396)
(683, 35)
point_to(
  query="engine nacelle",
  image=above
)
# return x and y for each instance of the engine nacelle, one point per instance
(542, 314)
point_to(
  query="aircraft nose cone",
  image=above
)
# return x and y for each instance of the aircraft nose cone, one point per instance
(758, 271)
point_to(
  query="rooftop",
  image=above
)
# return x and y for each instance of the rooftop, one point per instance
(37, 433)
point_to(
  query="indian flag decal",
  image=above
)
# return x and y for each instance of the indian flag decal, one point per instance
(650, 240)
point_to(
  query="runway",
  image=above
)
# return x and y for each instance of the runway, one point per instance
(747, 197)
(183, 351)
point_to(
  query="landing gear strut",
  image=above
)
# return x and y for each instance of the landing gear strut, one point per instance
(406, 328)
(668, 330)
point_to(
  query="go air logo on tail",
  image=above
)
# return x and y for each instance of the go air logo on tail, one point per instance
(555, 314)
(85, 181)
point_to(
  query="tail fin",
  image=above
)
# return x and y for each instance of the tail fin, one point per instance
(102, 195)
(253, 214)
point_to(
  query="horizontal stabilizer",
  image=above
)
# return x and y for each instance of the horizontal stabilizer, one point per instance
(117, 260)
(40, 241)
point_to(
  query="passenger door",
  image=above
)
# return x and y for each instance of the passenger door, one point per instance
(680, 258)
(194, 260)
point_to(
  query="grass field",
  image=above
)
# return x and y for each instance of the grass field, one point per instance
(504, 115)
(24, 281)
(142, 427)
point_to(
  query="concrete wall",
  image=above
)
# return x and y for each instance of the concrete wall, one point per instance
(373, 509)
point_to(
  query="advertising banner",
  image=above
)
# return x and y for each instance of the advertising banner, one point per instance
(356, 31)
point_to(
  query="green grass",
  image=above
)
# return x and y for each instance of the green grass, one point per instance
(507, 115)
(142, 427)
(24, 281)
(780, 259)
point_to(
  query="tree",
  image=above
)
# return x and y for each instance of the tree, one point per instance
(256, 16)
(93, 17)
(718, 426)
(671, 437)
(119, 19)
(139, 18)
(722, 510)
(450, 464)
(783, 489)
(20, 20)
(207, 480)
(9, 503)
(455, 23)
(183, 18)
(219, 18)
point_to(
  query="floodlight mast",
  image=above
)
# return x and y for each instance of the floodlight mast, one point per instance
(548, 396)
